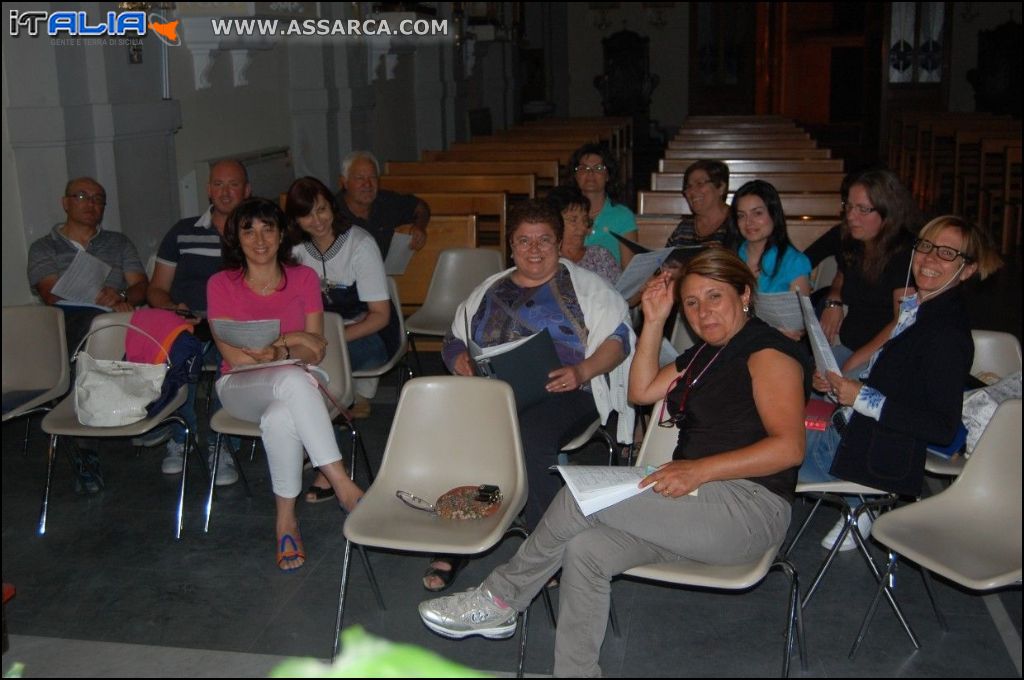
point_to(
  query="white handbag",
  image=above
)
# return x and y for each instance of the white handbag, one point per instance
(112, 393)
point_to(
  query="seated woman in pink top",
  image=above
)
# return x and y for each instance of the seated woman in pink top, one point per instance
(261, 281)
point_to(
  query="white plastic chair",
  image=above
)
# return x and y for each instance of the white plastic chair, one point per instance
(403, 347)
(62, 421)
(35, 365)
(657, 448)
(971, 532)
(457, 273)
(448, 431)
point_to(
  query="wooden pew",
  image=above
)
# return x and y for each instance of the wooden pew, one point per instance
(653, 231)
(794, 205)
(545, 171)
(1011, 223)
(747, 153)
(966, 163)
(716, 143)
(511, 154)
(998, 185)
(818, 182)
(444, 231)
(759, 166)
(733, 136)
(491, 210)
(516, 185)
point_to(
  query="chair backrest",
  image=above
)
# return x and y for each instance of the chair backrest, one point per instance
(336, 361)
(458, 272)
(659, 442)
(35, 349)
(403, 340)
(994, 469)
(107, 335)
(995, 352)
(452, 431)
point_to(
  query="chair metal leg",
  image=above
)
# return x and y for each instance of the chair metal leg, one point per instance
(884, 587)
(24, 444)
(803, 528)
(44, 510)
(927, 578)
(341, 600)
(525, 615)
(238, 466)
(794, 618)
(213, 479)
(610, 443)
(357, 441)
(415, 352)
(373, 578)
(252, 451)
(180, 516)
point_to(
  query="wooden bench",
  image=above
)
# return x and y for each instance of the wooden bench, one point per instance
(794, 205)
(443, 232)
(732, 136)
(747, 154)
(515, 185)
(966, 163)
(510, 154)
(760, 166)
(491, 210)
(715, 143)
(546, 172)
(999, 178)
(653, 231)
(791, 182)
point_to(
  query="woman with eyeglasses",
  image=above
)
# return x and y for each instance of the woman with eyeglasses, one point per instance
(595, 172)
(575, 210)
(877, 233)
(912, 393)
(588, 322)
(737, 399)
(705, 186)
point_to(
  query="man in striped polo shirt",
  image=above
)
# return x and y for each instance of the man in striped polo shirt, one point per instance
(188, 256)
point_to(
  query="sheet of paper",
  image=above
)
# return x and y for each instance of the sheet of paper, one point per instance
(251, 334)
(639, 270)
(82, 281)
(780, 310)
(399, 254)
(824, 360)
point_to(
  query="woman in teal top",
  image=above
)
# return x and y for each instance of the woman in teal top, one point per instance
(595, 172)
(777, 264)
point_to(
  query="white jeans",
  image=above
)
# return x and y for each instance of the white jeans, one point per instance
(292, 415)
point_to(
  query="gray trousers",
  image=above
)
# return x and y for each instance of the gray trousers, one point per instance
(729, 522)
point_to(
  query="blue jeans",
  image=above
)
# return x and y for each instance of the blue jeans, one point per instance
(367, 352)
(188, 409)
(820, 452)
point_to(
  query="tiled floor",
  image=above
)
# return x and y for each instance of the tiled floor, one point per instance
(109, 571)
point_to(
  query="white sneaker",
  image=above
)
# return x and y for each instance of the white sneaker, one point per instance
(226, 472)
(864, 522)
(473, 612)
(174, 461)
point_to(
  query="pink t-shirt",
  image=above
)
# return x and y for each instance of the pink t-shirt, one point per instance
(228, 297)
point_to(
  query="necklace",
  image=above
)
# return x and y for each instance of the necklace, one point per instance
(254, 285)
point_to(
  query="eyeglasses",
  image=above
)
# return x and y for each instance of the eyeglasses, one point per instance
(860, 209)
(696, 184)
(524, 243)
(82, 197)
(674, 419)
(924, 246)
(600, 167)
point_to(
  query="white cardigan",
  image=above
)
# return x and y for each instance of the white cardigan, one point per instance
(603, 310)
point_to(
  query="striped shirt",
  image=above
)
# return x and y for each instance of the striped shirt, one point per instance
(193, 248)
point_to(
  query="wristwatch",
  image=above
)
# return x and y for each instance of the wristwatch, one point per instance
(833, 303)
(124, 294)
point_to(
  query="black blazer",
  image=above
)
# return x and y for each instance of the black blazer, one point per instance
(922, 373)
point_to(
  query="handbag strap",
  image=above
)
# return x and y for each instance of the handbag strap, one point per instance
(74, 356)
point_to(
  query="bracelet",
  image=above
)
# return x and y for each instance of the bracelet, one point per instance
(829, 304)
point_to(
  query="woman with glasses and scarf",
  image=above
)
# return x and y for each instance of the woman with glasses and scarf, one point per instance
(912, 392)
(595, 172)
(588, 323)
(738, 401)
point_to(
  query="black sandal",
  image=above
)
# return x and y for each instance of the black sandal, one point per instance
(446, 576)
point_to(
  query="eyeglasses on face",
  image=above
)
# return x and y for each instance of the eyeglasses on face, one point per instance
(525, 243)
(600, 167)
(859, 209)
(84, 197)
(924, 246)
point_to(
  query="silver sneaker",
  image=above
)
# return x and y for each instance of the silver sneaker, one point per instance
(174, 461)
(226, 472)
(473, 612)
